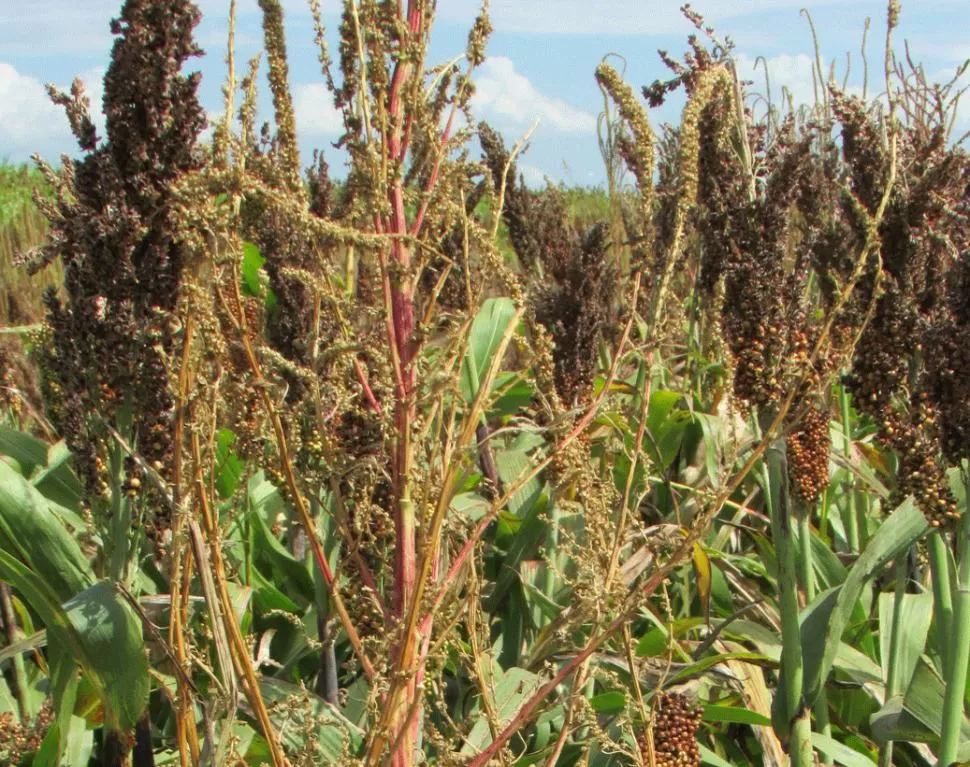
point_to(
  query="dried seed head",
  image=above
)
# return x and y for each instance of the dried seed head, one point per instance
(674, 730)
(808, 455)
(118, 228)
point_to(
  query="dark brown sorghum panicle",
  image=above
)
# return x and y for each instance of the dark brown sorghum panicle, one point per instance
(321, 188)
(675, 723)
(535, 220)
(767, 324)
(904, 369)
(881, 363)
(452, 243)
(914, 435)
(924, 228)
(863, 150)
(947, 358)
(452, 293)
(881, 370)
(579, 310)
(723, 183)
(578, 302)
(279, 229)
(720, 189)
(753, 313)
(284, 243)
(115, 227)
(359, 433)
(808, 455)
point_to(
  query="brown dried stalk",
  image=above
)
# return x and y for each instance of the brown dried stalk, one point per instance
(241, 662)
(185, 726)
(299, 501)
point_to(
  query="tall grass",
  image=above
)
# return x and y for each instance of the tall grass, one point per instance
(22, 227)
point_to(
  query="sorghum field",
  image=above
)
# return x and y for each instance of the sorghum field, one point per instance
(427, 466)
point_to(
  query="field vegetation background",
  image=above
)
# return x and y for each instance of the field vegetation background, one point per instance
(428, 466)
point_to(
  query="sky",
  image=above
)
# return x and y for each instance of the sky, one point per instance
(540, 65)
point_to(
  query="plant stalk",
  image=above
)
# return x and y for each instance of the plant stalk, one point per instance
(895, 643)
(821, 707)
(942, 597)
(959, 654)
(792, 668)
(850, 520)
(10, 634)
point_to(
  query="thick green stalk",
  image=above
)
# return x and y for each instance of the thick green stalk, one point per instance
(806, 571)
(895, 643)
(821, 707)
(942, 596)
(19, 686)
(850, 520)
(959, 654)
(792, 664)
(120, 522)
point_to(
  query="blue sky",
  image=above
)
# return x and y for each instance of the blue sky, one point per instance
(541, 61)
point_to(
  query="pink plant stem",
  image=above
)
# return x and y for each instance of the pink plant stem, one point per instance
(399, 289)
(524, 714)
(682, 554)
(365, 386)
(433, 178)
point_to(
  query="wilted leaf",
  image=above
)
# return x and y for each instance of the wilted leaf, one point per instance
(702, 573)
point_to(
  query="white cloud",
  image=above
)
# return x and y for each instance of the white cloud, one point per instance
(618, 17)
(533, 175)
(315, 113)
(660, 17)
(26, 112)
(29, 122)
(785, 73)
(510, 98)
(794, 73)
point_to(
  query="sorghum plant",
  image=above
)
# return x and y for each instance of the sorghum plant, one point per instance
(115, 227)
(801, 251)
(411, 498)
(578, 308)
